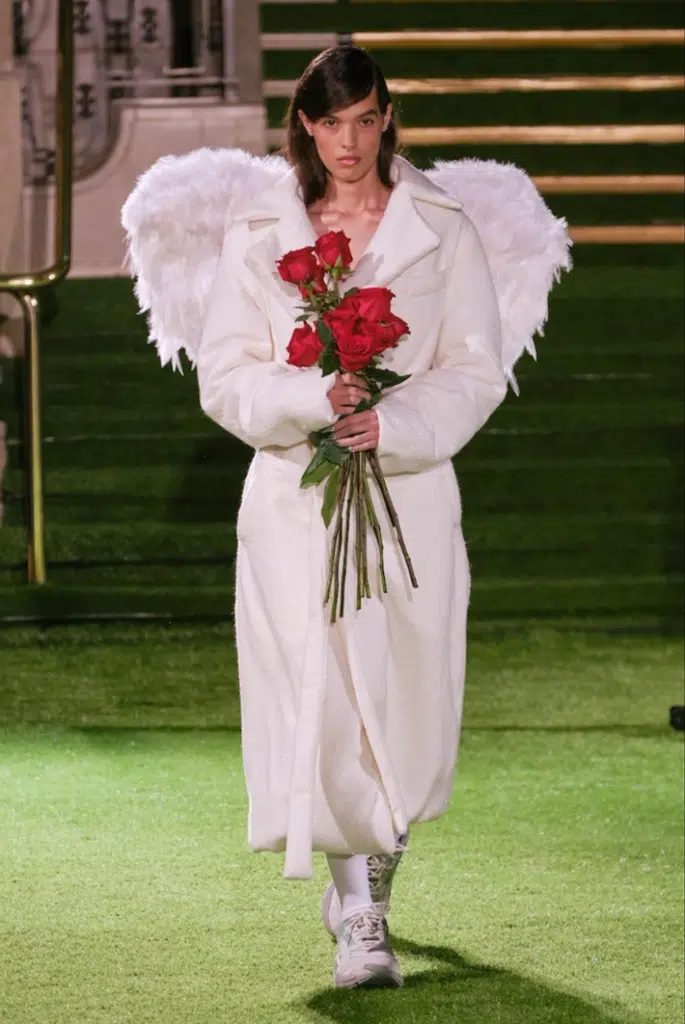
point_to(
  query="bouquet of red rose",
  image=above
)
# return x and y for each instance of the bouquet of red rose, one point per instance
(349, 333)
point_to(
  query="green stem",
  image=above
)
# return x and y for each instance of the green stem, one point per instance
(358, 524)
(362, 517)
(392, 513)
(346, 544)
(337, 537)
(377, 532)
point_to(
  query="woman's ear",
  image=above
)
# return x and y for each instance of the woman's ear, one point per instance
(308, 125)
(387, 116)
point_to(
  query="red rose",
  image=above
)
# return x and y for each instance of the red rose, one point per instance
(317, 285)
(332, 247)
(304, 347)
(298, 266)
(374, 303)
(345, 312)
(389, 333)
(356, 343)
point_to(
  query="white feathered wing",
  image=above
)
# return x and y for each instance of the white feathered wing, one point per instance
(526, 245)
(175, 220)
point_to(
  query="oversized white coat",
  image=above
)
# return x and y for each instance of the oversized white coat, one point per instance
(350, 731)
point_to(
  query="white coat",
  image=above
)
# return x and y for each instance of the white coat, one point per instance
(350, 732)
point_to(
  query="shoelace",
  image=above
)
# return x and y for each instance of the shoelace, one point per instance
(366, 928)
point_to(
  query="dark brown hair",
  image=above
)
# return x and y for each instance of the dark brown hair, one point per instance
(335, 79)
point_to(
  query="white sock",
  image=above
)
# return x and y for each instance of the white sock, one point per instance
(351, 880)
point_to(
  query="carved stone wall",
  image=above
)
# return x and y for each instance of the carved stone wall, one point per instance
(152, 77)
(123, 49)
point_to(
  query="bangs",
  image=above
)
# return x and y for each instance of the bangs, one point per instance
(338, 78)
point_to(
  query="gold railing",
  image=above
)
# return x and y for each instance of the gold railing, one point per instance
(26, 288)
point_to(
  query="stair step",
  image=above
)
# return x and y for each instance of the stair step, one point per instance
(493, 442)
(485, 566)
(536, 160)
(284, 88)
(452, 14)
(482, 39)
(479, 63)
(185, 494)
(590, 113)
(591, 599)
(617, 531)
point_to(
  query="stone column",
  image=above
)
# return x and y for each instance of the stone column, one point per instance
(242, 48)
(11, 234)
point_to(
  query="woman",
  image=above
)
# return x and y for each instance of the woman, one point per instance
(350, 731)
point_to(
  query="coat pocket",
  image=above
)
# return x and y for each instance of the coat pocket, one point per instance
(246, 510)
(454, 493)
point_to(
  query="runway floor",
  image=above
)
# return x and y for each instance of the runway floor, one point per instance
(551, 893)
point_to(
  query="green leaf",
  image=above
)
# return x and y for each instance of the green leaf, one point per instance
(329, 362)
(318, 457)
(317, 437)
(314, 474)
(350, 291)
(325, 333)
(301, 317)
(330, 496)
(386, 378)
(334, 453)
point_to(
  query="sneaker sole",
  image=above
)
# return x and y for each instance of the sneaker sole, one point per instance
(327, 911)
(375, 978)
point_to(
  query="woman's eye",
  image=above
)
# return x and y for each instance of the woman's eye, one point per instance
(367, 120)
(329, 122)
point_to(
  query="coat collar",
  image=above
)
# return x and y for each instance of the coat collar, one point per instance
(402, 238)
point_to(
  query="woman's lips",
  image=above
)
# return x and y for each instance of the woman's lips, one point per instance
(348, 161)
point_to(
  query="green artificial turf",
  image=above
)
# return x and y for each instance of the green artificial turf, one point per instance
(572, 493)
(428, 14)
(550, 893)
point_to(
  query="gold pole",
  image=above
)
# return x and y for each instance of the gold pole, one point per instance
(26, 287)
(35, 504)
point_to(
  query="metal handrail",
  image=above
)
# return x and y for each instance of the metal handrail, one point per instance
(24, 287)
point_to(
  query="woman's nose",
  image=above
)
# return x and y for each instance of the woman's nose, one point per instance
(349, 136)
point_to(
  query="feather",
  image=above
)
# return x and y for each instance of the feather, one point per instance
(174, 221)
(526, 245)
(176, 215)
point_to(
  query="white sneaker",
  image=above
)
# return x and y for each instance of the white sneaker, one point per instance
(381, 870)
(364, 958)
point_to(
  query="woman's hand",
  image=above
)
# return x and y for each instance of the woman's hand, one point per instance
(358, 432)
(347, 392)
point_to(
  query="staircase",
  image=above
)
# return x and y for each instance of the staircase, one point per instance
(573, 493)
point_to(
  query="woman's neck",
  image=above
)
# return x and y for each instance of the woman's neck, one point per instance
(355, 197)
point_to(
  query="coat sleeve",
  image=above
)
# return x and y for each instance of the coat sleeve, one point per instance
(262, 402)
(431, 417)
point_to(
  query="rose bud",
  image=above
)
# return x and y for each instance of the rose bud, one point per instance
(333, 249)
(304, 347)
(317, 286)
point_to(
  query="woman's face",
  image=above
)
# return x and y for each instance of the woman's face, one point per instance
(348, 140)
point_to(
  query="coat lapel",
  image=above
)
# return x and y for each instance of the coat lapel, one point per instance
(402, 238)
